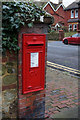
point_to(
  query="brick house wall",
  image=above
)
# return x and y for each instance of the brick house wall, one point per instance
(79, 13)
(68, 14)
(72, 21)
(58, 15)
(49, 9)
(61, 16)
(79, 16)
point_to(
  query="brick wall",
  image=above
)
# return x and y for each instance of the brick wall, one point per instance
(31, 105)
(61, 35)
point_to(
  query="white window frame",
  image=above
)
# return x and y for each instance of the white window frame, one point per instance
(75, 27)
(72, 13)
(70, 27)
(76, 13)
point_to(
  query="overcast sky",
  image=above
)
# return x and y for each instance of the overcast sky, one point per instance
(65, 2)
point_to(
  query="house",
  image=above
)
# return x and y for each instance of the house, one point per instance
(72, 21)
(57, 11)
(68, 17)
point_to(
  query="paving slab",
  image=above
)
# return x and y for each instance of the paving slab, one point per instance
(61, 99)
(67, 113)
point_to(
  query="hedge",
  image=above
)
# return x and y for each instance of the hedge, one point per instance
(53, 36)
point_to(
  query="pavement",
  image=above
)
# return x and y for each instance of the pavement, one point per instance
(61, 99)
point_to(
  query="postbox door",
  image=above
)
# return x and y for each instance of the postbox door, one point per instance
(34, 78)
(33, 68)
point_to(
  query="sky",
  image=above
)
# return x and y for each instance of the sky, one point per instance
(65, 2)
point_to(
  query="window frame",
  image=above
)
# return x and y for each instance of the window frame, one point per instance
(72, 14)
(76, 13)
(70, 28)
(75, 28)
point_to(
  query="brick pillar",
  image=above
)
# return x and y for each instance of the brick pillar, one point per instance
(31, 105)
(78, 31)
(61, 35)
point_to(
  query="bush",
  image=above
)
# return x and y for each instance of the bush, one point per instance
(65, 29)
(53, 36)
(67, 34)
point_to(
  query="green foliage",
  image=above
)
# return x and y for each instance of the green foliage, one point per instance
(53, 36)
(65, 29)
(14, 15)
(67, 34)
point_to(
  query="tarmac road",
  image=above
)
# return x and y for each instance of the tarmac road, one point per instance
(66, 55)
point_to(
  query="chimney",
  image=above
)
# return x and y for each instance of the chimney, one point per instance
(60, 1)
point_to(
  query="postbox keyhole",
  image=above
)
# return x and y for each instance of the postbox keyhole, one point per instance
(29, 87)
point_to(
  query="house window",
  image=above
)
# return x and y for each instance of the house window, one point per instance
(76, 13)
(70, 27)
(72, 13)
(75, 27)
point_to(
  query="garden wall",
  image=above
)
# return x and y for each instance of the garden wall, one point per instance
(9, 85)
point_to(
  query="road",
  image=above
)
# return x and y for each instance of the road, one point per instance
(66, 55)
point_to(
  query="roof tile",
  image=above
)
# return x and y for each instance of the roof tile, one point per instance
(74, 5)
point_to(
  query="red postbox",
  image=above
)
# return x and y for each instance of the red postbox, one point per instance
(33, 62)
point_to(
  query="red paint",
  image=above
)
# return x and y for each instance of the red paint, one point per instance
(33, 76)
(73, 39)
